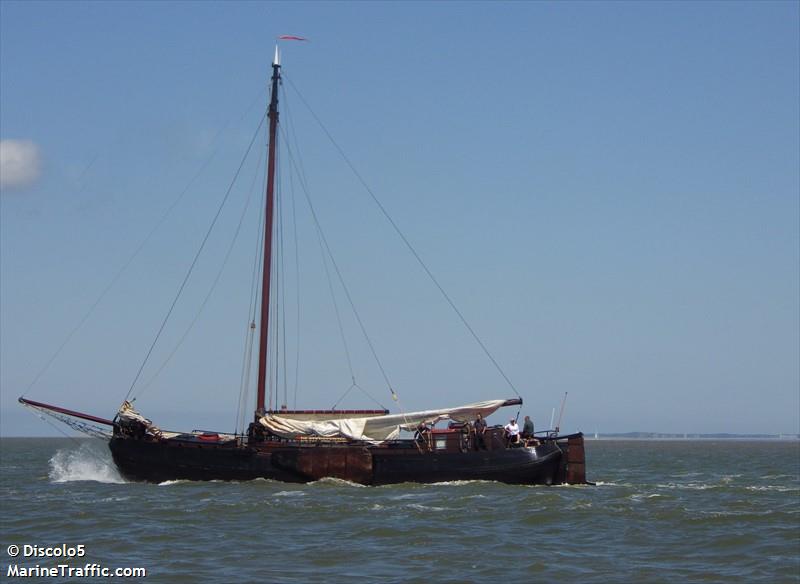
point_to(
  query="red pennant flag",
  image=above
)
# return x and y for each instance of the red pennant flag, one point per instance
(288, 37)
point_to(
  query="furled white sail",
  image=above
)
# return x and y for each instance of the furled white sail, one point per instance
(375, 428)
(127, 413)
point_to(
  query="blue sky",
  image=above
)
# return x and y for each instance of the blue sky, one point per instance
(608, 191)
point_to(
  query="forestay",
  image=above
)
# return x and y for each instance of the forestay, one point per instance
(375, 428)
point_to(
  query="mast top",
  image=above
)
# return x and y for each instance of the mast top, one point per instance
(277, 59)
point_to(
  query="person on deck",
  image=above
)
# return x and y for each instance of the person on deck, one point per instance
(512, 432)
(480, 430)
(527, 428)
(423, 436)
(528, 439)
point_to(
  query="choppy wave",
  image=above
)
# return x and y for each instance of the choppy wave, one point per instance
(730, 523)
(404, 496)
(690, 486)
(420, 507)
(337, 482)
(777, 488)
(83, 464)
(289, 494)
(643, 496)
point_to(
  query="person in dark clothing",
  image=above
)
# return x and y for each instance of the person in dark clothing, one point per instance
(423, 436)
(527, 433)
(527, 428)
(480, 431)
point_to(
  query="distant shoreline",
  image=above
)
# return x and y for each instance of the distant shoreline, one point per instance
(692, 436)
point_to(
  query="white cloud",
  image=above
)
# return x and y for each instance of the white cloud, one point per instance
(20, 163)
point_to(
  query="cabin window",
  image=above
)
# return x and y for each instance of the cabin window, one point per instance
(441, 442)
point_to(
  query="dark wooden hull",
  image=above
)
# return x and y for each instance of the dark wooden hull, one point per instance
(532, 466)
(158, 461)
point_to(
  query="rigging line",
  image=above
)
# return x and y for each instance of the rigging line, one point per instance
(282, 280)
(370, 396)
(405, 240)
(336, 309)
(344, 395)
(364, 391)
(41, 415)
(287, 108)
(246, 367)
(296, 245)
(278, 300)
(297, 291)
(270, 361)
(304, 181)
(84, 184)
(333, 294)
(84, 427)
(275, 332)
(88, 168)
(344, 286)
(276, 285)
(213, 286)
(300, 170)
(275, 290)
(194, 261)
(340, 325)
(244, 380)
(136, 252)
(331, 290)
(255, 282)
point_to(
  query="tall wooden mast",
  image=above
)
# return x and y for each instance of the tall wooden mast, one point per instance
(264, 327)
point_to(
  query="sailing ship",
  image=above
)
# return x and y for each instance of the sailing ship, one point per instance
(363, 446)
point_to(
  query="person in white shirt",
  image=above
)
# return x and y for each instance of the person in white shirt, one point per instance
(512, 432)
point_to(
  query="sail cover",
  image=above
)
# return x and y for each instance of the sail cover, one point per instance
(375, 428)
(127, 413)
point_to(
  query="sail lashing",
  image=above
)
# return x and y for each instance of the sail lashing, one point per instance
(376, 429)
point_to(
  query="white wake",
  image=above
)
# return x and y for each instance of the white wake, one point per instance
(83, 464)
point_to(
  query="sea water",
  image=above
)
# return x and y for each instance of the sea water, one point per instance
(661, 511)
